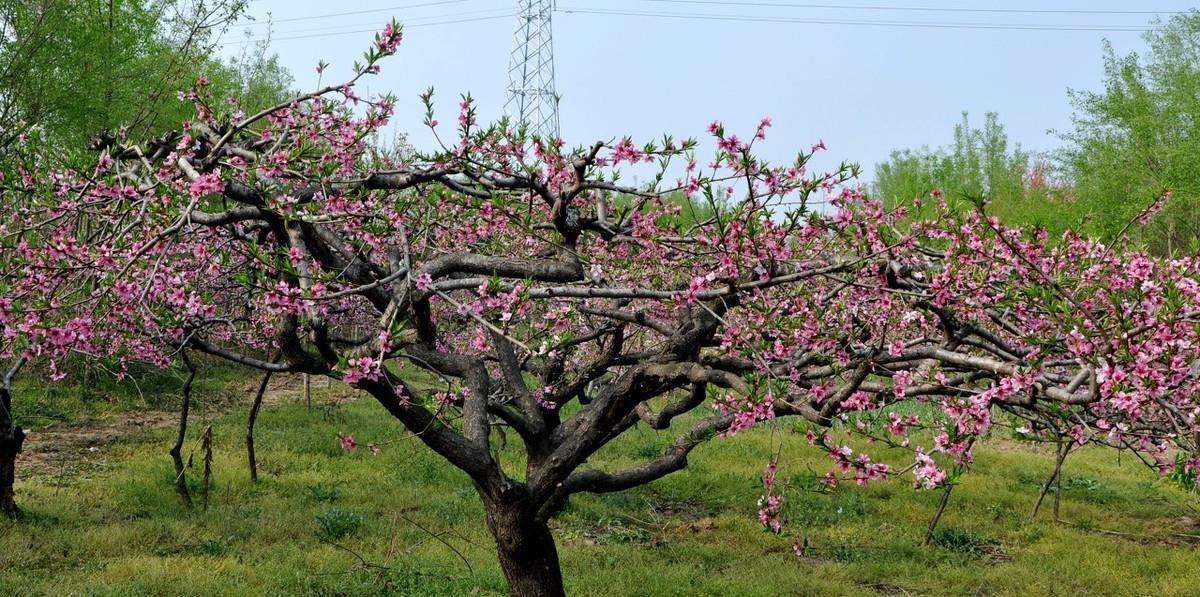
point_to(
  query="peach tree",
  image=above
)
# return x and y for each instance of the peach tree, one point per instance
(559, 305)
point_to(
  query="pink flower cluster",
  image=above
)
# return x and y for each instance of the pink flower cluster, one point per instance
(206, 184)
(770, 505)
(389, 39)
(361, 368)
(927, 473)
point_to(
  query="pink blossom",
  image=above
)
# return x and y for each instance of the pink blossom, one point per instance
(206, 184)
(927, 473)
(362, 368)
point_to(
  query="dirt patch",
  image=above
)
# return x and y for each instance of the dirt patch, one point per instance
(664, 507)
(52, 449)
(702, 525)
(290, 388)
(883, 588)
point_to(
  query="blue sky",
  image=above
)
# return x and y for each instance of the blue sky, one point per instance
(864, 90)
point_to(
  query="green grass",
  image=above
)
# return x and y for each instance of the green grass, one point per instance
(88, 394)
(325, 522)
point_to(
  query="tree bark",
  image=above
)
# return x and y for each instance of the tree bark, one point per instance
(526, 548)
(177, 450)
(12, 438)
(254, 408)
(1060, 455)
(937, 516)
(206, 445)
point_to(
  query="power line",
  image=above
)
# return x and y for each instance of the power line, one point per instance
(350, 13)
(407, 22)
(323, 32)
(869, 23)
(406, 27)
(757, 5)
(1080, 11)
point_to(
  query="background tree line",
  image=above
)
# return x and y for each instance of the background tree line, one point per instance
(73, 69)
(1129, 142)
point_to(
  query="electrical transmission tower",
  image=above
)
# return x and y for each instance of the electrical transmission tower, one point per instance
(531, 97)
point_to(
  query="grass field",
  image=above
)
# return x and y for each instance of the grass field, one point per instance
(325, 522)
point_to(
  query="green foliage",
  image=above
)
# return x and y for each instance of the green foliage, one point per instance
(323, 492)
(1082, 483)
(1140, 136)
(254, 77)
(980, 164)
(977, 164)
(72, 70)
(959, 540)
(1182, 474)
(336, 523)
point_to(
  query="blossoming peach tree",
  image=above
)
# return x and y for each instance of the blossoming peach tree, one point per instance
(54, 307)
(559, 305)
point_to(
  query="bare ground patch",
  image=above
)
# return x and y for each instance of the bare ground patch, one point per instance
(54, 449)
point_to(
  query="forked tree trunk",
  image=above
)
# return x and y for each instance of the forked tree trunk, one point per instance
(527, 552)
(1060, 456)
(177, 449)
(11, 439)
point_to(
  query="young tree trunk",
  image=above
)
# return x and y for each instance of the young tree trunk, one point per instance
(308, 392)
(937, 516)
(11, 439)
(1060, 456)
(206, 445)
(253, 418)
(177, 450)
(527, 552)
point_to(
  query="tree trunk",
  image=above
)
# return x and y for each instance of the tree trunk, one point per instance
(254, 408)
(1060, 455)
(527, 552)
(937, 516)
(10, 445)
(177, 450)
(206, 445)
(11, 439)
